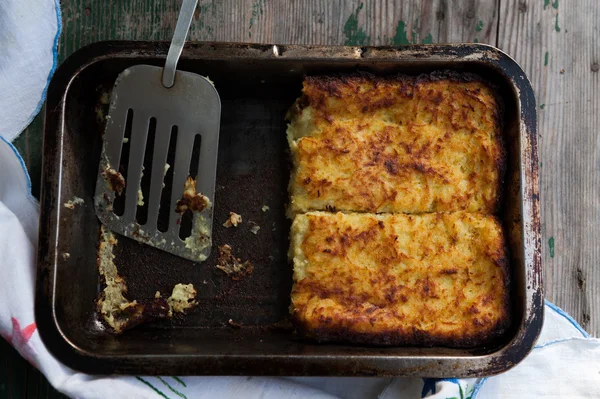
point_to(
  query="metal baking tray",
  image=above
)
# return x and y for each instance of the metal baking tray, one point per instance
(257, 84)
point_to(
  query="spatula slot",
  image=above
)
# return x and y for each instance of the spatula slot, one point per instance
(185, 229)
(165, 198)
(144, 189)
(119, 201)
(195, 156)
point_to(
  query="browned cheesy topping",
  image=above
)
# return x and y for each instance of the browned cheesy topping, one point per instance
(396, 144)
(415, 165)
(438, 278)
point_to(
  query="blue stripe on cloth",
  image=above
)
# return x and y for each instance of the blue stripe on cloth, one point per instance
(22, 162)
(52, 69)
(562, 313)
(566, 316)
(429, 384)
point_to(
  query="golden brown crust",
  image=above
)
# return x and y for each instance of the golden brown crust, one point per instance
(433, 279)
(396, 144)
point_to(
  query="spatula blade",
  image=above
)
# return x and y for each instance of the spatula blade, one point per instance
(192, 104)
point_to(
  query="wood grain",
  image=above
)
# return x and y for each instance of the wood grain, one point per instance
(373, 22)
(558, 47)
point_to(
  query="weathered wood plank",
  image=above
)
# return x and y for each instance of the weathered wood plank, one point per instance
(372, 22)
(557, 46)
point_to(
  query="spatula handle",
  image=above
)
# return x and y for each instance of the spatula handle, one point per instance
(181, 31)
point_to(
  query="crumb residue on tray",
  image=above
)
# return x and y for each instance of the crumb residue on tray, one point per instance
(254, 227)
(120, 313)
(167, 166)
(233, 220)
(70, 204)
(234, 324)
(209, 81)
(113, 306)
(140, 196)
(199, 240)
(232, 265)
(182, 298)
(192, 200)
(66, 255)
(265, 208)
(115, 180)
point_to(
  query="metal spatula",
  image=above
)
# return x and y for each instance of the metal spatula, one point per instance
(165, 100)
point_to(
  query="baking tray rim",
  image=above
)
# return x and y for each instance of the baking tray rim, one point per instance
(433, 366)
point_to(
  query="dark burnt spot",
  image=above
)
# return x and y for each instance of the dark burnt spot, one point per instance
(473, 310)
(329, 84)
(383, 103)
(195, 203)
(329, 239)
(306, 180)
(325, 320)
(390, 295)
(371, 309)
(391, 165)
(449, 271)
(406, 91)
(380, 224)
(365, 236)
(403, 298)
(115, 180)
(478, 323)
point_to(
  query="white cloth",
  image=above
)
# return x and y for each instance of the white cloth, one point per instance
(565, 363)
(29, 31)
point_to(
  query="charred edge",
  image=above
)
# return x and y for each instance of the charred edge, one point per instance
(395, 338)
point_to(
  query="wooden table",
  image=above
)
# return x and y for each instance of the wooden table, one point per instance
(555, 43)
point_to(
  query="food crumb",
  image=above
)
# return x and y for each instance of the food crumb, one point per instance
(265, 208)
(254, 227)
(233, 220)
(182, 298)
(70, 204)
(66, 255)
(140, 197)
(125, 140)
(116, 310)
(234, 324)
(115, 180)
(105, 98)
(157, 295)
(195, 202)
(232, 265)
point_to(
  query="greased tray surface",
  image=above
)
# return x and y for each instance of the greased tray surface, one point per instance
(257, 84)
